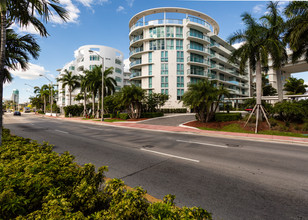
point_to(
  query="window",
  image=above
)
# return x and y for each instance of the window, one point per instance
(71, 68)
(164, 81)
(169, 45)
(196, 33)
(179, 56)
(180, 93)
(117, 61)
(197, 70)
(164, 91)
(91, 67)
(180, 81)
(118, 79)
(180, 69)
(194, 80)
(196, 58)
(169, 32)
(196, 46)
(150, 57)
(150, 82)
(150, 69)
(179, 32)
(157, 32)
(157, 45)
(164, 56)
(117, 70)
(164, 69)
(221, 77)
(179, 44)
(94, 57)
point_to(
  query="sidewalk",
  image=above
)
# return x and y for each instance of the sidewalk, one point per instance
(192, 130)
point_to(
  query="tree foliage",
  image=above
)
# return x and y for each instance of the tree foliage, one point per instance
(295, 86)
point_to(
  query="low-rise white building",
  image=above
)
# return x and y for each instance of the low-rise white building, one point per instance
(86, 57)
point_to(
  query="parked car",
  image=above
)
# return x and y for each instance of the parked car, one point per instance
(17, 113)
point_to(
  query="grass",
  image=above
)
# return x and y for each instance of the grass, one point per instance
(113, 120)
(239, 129)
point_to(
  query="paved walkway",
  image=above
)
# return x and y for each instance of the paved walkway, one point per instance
(187, 129)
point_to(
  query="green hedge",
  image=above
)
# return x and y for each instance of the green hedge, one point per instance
(123, 116)
(173, 110)
(73, 110)
(151, 114)
(227, 117)
(37, 183)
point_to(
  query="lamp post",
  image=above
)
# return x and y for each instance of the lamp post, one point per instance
(51, 104)
(92, 51)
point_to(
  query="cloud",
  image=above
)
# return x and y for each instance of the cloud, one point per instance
(120, 8)
(89, 3)
(237, 45)
(73, 13)
(258, 9)
(33, 72)
(130, 3)
(30, 29)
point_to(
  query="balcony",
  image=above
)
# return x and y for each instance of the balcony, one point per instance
(134, 74)
(198, 24)
(198, 37)
(217, 47)
(155, 22)
(197, 61)
(135, 51)
(135, 39)
(197, 73)
(198, 50)
(135, 63)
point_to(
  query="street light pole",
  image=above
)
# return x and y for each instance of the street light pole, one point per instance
(51, 104)
(92, 51)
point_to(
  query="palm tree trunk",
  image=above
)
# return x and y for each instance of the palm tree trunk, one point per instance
(93, 104)
(279, 85)
(98, 106)
(258, 82)
(84, 102)
(70, 97)
(44, 104)
(2, 60)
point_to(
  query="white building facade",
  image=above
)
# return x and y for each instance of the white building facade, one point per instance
(86, 57)
(173, 47)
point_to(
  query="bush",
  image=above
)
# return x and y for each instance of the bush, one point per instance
(151, 114)
(123, 116)
(40, 112)
(173, 110)
(219, 117)
(73, 110)
(305, 126)
(289, 111)
(37, 183)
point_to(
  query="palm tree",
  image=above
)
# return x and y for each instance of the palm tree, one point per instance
(83, 87)
(70, 80)
(23, 12)
(295, 86)
(131, 97)
(276, 27)
(94, 81)
(42, 92)
(256, 49)
(297, 29)
(203, 97)
(109, 82)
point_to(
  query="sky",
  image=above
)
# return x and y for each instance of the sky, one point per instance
(105, 22)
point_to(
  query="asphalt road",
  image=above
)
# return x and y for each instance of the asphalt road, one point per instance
(170, 120)
(233, 179)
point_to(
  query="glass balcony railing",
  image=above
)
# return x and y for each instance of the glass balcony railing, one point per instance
(197, 60)
(220, 57)
(136, 38)
(194, 47)
(154, 22)
(137, 50)
(136, 62)
(200, 36)
(134, 74)
(197, 72)
(198, 21)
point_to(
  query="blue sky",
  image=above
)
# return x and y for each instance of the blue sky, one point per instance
(105, 22)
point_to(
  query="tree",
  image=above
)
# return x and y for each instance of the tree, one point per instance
(295, 86)
(23, 12)
(256, 49)
(275, 27)
(297, 29)
(204, 98)
(42, 92)
(155, 101)
(268, 89)
(70, 80)
(94, 81)
(131, 97)
(83, 87)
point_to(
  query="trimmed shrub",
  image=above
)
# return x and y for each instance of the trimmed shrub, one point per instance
(219, 117)
(173, 110)
(73, 110)
(151, 114)
(305, 126)
(123, 116)
(37, 183)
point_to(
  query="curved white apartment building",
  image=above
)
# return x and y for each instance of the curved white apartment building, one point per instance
(86, 57)
(172, 47)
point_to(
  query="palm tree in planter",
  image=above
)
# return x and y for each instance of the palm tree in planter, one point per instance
(276, 27)
(256, 49)
(70, 80)
(131, 97)
(204, 98)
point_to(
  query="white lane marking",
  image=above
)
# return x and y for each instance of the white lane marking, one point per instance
(170, 155)
(94, 128)
(62, 131)
(31, 124)
(193, 142)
